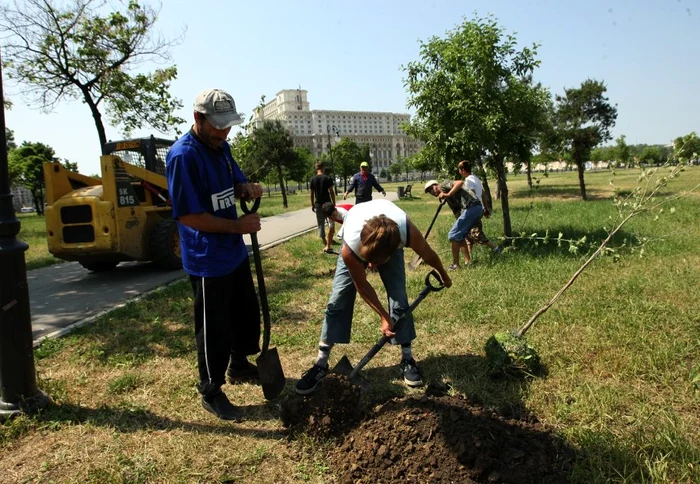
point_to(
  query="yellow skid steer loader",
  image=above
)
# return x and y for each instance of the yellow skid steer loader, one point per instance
(123, 216)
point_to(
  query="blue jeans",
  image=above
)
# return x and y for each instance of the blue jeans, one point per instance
(337, 323)
(466, 220)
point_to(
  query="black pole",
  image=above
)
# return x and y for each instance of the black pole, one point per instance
(18, 390)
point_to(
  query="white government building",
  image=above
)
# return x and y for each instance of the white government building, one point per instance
(316, 130)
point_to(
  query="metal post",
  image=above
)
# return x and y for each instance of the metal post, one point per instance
(18, 390)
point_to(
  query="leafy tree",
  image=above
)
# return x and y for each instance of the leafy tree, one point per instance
(272, 152)
(10, 140)
(26, 163)
(652, 155)
(396, 168)
(304, 169)
(241, 147)
(70, 165)
(622, 151)
(347, 156)
(301, 166)
(474, 95)
(687, 147)
(584, 118)
(73, 52)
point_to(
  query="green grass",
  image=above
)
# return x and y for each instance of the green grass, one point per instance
(621, 349)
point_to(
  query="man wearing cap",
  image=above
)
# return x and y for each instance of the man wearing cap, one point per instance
(204, 183)
(363, 182)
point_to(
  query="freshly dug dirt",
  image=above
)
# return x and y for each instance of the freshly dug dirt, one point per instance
(329, 412)
(433, 438)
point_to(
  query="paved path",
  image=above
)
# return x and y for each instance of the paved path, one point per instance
(64, 296)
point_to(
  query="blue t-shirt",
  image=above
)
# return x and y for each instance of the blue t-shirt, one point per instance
(201, 179)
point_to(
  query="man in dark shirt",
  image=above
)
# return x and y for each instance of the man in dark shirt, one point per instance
(363, 182)
(322, 191)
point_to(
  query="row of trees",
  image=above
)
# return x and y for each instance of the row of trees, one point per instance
(25, 166)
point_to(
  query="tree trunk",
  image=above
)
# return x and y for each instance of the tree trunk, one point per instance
(503, 190)
(582, 185)
(97, 117)
(487, 188)
(281, 181)
(528, 168)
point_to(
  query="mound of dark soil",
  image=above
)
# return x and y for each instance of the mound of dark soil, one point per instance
(432, 438)
(445, 439)
(331, 411)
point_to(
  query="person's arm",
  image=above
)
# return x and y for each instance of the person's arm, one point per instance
(207, 222)
(364, 288)
(455, 188)
(331, 192)
(420, 246)
(351, 187)
(313, 201)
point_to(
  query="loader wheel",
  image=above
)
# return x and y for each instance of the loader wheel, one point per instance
(100, 266)
(165, 245)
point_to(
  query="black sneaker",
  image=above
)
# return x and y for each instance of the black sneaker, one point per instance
(219, 405)
(310, 379)
(412, 376)
(236, 374)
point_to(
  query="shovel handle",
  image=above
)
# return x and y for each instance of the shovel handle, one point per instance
(429, 287)
(253, 209)
(262, 292)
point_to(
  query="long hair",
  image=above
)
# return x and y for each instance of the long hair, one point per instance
(380, 238)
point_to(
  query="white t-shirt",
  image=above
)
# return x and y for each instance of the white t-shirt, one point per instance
(473, 183)
(360, 213)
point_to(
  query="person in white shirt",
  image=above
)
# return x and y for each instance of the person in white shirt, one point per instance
(470, 190)
(374, 235)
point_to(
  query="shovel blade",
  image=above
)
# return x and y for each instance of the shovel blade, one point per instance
(271, 374)
(343, 367)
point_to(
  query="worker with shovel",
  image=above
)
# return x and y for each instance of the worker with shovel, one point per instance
(204, 182)
(466, 197)
(457, 203)
(374, 235)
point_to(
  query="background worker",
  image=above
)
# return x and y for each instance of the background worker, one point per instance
(363, 182)
(205, 181)
(375, 234)
(469, 191)
(322, 190)
(457, 204)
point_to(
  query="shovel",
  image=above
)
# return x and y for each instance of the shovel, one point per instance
(269, 366)
(344, 367)
(417, 260)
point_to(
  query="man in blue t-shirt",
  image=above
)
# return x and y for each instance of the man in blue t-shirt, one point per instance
(204, 182)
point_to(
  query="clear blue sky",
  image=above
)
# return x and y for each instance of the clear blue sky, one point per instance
(348, 55)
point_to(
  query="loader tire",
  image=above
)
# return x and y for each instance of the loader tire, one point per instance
(99, 266)
(165, 245)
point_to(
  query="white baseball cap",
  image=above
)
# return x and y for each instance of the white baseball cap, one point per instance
(429, 184)
(219, 108)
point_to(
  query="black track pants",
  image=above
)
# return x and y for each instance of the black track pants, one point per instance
(226, 321)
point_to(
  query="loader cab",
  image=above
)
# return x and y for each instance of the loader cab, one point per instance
(148, 153)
